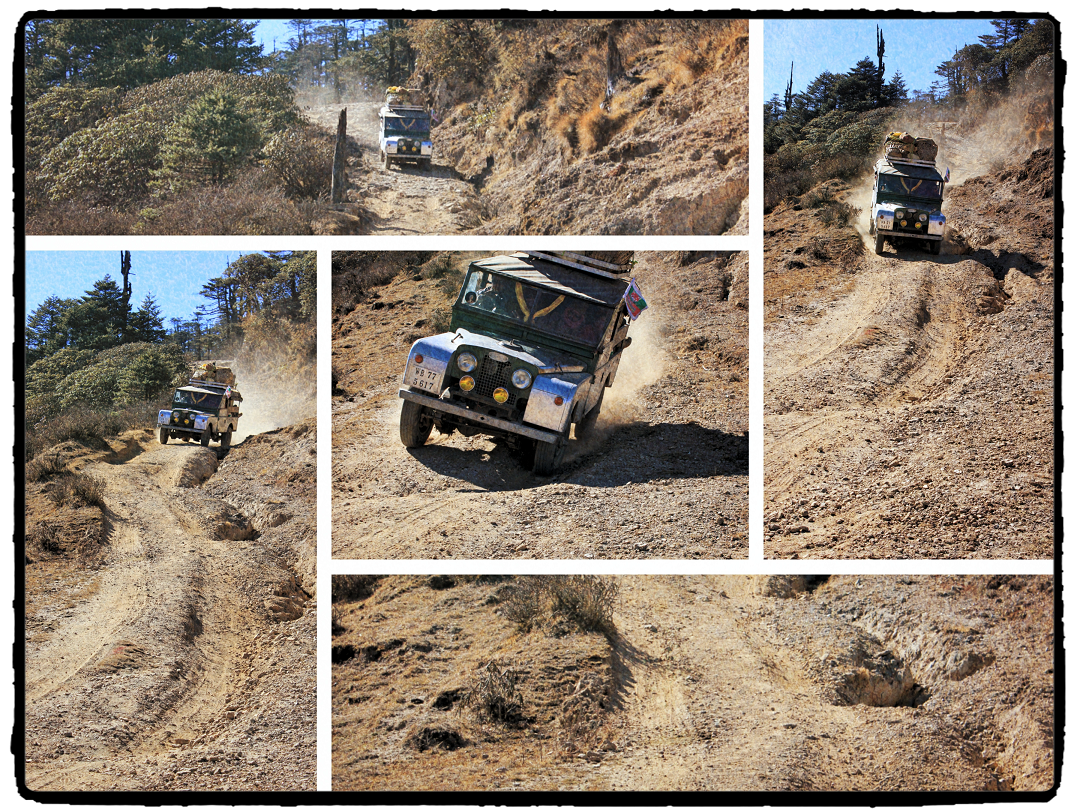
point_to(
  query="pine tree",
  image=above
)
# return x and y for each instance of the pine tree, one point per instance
(47, 328)
(211, 140)
(146, 324)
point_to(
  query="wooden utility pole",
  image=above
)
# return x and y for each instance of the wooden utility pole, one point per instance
(338, 181)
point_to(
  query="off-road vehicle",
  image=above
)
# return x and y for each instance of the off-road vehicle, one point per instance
(906, 202)
(404, 131)
(535, 341)
(207, 408)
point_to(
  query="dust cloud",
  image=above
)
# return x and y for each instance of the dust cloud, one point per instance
(979, 140)
(276, 394)
(642, 364)
(982, 138)
(322, 106)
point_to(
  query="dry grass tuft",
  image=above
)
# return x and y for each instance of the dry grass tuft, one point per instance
(586, 601)
(494, 694)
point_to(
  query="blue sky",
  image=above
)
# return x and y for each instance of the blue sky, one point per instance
(174, 278)
(912, 46)
(279, 32)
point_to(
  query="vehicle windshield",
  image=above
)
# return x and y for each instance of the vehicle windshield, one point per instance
(197, 400)
(911, 187)
(543, 309)
(407, 127)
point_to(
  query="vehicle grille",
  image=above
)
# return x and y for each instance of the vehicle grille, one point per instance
(492, 375)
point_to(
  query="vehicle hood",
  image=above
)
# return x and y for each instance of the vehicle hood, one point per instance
(546, 361)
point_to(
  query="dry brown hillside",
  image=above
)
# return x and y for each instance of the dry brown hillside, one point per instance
(562, 127)
(667, 153)
(869, 683)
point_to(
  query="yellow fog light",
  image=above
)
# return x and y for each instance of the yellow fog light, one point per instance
(903, 222)
(918, 225)
(467, 383)
(500, 395)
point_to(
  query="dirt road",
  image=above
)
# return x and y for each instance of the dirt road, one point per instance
(909, 400)
(666, 476)
(186, 660)
(404, 199)
(869, 683)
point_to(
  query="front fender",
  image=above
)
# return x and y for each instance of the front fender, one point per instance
(883, 216)
(426, 367)
(551, 400)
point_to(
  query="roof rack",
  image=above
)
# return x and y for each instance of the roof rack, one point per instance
(931, 164)
(207, 383)
(598, 268)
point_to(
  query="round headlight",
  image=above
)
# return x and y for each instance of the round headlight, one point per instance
(466, 362)
(500, 395)
(521, 378)
(922, 217)
(467, 383)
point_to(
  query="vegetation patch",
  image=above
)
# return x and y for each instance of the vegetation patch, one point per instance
(560, 603)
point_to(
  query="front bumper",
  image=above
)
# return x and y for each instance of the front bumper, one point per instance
(197, 424)
(483, 420)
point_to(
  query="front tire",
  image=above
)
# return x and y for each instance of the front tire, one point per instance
(935, 248)
(163, 435)
(548, 456)
(879, 243)
(386, 162)
(204, 439)
(226, 439)
(415, 424)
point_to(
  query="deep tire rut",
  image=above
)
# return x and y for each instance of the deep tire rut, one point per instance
(165, 643)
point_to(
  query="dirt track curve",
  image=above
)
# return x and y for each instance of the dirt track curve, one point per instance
(847, 683)
(167, 667)
(908, 398)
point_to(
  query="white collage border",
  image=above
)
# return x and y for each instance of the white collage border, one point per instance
(324, 245)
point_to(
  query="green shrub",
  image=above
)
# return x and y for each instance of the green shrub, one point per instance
(123, 375)
(207, 143)
(60, 113)
(108, 162)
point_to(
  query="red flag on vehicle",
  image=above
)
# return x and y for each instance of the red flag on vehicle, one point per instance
(635, 301)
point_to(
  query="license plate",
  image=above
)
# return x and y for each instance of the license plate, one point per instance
(423, 379)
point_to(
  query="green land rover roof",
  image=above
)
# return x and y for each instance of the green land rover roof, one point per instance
(608, 291)
(908, 170)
